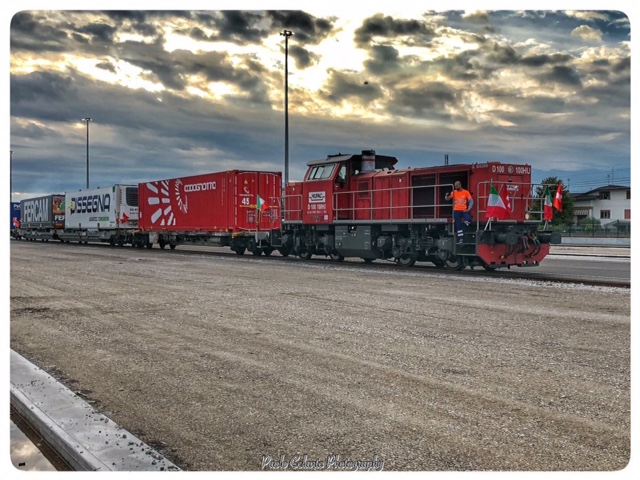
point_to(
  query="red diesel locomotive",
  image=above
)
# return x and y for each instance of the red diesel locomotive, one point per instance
(361, 206)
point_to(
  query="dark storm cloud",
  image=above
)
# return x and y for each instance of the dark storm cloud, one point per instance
(306, 28)
(40, 87)
(389, 27)
(545, 59)
(428, 100)
(343, 86)
(384, 59)
(234, 26)
(303, 57)
(100, 32)
(108, 66)
(32, 32)
(563, 75)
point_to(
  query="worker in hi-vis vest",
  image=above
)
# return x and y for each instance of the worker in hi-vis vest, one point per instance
(462, 205)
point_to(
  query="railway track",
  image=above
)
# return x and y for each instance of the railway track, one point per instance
(516, 273)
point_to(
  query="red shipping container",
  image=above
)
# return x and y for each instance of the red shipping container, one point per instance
(212, 202)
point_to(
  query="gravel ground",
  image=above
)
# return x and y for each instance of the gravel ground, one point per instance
(226, 363)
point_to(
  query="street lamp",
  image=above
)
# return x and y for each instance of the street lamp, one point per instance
(11, 175)
(87, 119)
(286, 34)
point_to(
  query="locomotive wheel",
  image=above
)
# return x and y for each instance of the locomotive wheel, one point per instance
(267, 251)
(336, 257)
(149, 245)
(305, 254)
(257, 252)
(454, 263)
(112, 241)
(162, 244)
(284, 251)
(240, 251)
(406, 261)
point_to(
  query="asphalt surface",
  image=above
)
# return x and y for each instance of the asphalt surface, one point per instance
(244, 364)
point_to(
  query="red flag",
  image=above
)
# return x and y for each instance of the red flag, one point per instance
(504, 195)
(557, 201)
(125, 218)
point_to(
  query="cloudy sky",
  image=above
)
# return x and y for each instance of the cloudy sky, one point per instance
(174, 93)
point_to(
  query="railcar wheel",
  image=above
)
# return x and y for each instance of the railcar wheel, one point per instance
(162, 244)
(172, 246)
(368, 260)
(305, 254)
(454, 263)
(257, 252)
(406, 261)
(267, 251)
(438, 263)
(284, 251)
(489, 268)
(149, 245)
(240, 251)
(336, 257)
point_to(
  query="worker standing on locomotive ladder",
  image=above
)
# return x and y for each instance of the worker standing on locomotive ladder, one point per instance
(462, 205)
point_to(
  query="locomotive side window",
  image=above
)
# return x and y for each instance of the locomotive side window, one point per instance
(342, 174)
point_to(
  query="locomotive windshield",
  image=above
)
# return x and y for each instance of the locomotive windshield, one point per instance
(321, 172)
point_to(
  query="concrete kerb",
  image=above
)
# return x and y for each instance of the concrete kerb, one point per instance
(84, 438)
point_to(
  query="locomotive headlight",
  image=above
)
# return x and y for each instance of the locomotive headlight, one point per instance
(527, 216)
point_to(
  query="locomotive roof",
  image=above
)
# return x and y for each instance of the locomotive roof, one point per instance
(356, 156)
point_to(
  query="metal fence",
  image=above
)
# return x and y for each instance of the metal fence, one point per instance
(617, 229)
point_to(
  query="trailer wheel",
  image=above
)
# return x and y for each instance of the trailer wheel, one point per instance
(406, 261)
(336, 257)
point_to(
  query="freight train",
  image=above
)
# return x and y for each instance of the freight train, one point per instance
(356, 205)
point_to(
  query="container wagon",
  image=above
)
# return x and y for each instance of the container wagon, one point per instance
(105, 215)
(41, 218)
(236, 209)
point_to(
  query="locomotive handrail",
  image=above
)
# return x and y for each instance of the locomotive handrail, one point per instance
(533, 210)
(357, 194)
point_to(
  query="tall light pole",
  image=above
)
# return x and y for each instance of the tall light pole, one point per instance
(11, 175)
(87, 119)
(286, 34)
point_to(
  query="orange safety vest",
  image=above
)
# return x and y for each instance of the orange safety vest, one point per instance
(460, 199)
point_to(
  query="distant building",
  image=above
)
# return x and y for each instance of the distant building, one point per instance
(609, 204)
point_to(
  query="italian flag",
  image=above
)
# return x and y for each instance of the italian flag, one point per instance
(548, 205)
(498, 206)
(261, 205)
